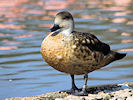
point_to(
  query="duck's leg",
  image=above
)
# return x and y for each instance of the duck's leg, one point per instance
(84, 89)
(83, 92)
(74, 87)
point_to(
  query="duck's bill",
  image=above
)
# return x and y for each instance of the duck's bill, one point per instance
(54, 28)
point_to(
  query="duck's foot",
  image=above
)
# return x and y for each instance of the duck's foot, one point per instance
(72, 91)
(76, 92)
(81, 93)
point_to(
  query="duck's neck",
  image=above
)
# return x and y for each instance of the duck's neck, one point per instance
(67, 32)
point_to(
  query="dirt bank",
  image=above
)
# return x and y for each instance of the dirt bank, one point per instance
(123, 91)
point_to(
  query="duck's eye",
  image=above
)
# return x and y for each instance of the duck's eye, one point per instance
(66, 17)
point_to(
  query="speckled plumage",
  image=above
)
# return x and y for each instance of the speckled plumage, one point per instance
(78, 53)
(74, 52)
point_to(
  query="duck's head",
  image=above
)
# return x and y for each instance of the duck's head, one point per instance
(63, 22)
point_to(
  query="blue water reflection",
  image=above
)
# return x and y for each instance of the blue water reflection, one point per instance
(24, 24)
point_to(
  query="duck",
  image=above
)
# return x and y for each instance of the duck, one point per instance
(75, 53)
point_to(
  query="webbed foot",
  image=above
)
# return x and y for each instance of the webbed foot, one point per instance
(72, 91)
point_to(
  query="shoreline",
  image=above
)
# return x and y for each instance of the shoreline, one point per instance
(121, 91)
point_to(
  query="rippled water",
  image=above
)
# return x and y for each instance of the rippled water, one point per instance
(24, 24)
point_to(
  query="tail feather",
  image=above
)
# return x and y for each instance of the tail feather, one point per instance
(119, 56)
(112, 56)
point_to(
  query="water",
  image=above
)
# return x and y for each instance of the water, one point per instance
(24, 24)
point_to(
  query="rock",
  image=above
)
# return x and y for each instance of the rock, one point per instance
(122, 91)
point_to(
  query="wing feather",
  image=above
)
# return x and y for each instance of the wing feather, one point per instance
(92, 42)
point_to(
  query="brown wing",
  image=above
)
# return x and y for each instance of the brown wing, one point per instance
(92, 42)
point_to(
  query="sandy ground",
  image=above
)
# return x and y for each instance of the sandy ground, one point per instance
(123, 91)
